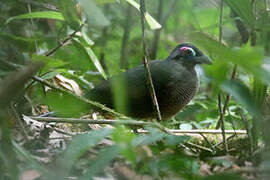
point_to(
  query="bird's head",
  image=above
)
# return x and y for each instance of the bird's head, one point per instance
(189, 54)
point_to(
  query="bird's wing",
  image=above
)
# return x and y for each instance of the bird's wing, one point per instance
(137, 83)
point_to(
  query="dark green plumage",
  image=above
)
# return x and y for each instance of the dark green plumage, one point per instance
(175, 81)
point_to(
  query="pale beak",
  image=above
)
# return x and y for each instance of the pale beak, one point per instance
(203, 59)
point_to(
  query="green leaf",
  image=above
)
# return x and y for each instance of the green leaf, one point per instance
(242, 95)
(50, 63)
(50, 75)
(104, 157)
(244, 10)
(249, 58)
(68, 8)
(259, 92)
(146, 139)
(149, 19)
(92, 57)
(41, 14)
(86, 37)
(75, 54)
(178, 163)
(95, 61)
(95, 16)
(23, 43)
(173, 140)
(124, 137)
(79, 145)
(263, 74)
(65, 104)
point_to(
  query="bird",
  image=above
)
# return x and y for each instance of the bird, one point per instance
(175, 81)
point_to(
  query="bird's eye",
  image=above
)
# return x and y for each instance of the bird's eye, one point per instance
(187, 51)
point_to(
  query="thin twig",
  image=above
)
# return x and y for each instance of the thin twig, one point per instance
(89, 121)
(101, 121)
(188, 148)
(233, 132)
(221, 114)
(62, 132)
(146, 65)
(227, 99)
(208, 142)
(198, 147)
(62, 43)
(203, 131)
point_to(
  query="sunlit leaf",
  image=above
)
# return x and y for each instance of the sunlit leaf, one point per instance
(149, 19)
(41, 14)
(86, 37)
(95, 61)
(93, 58)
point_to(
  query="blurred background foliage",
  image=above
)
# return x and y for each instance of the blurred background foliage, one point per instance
(103, 38)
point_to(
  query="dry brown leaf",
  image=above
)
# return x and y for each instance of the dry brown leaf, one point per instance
(68, 84)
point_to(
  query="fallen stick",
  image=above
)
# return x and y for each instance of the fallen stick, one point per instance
(132, 123)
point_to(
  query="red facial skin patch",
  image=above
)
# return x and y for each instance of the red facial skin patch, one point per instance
(183, 49)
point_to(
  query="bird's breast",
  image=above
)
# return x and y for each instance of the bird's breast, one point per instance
(179, 92)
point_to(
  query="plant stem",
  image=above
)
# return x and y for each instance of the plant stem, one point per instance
(146, 65)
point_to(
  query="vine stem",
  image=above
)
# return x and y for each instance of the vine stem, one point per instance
(146, 65)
